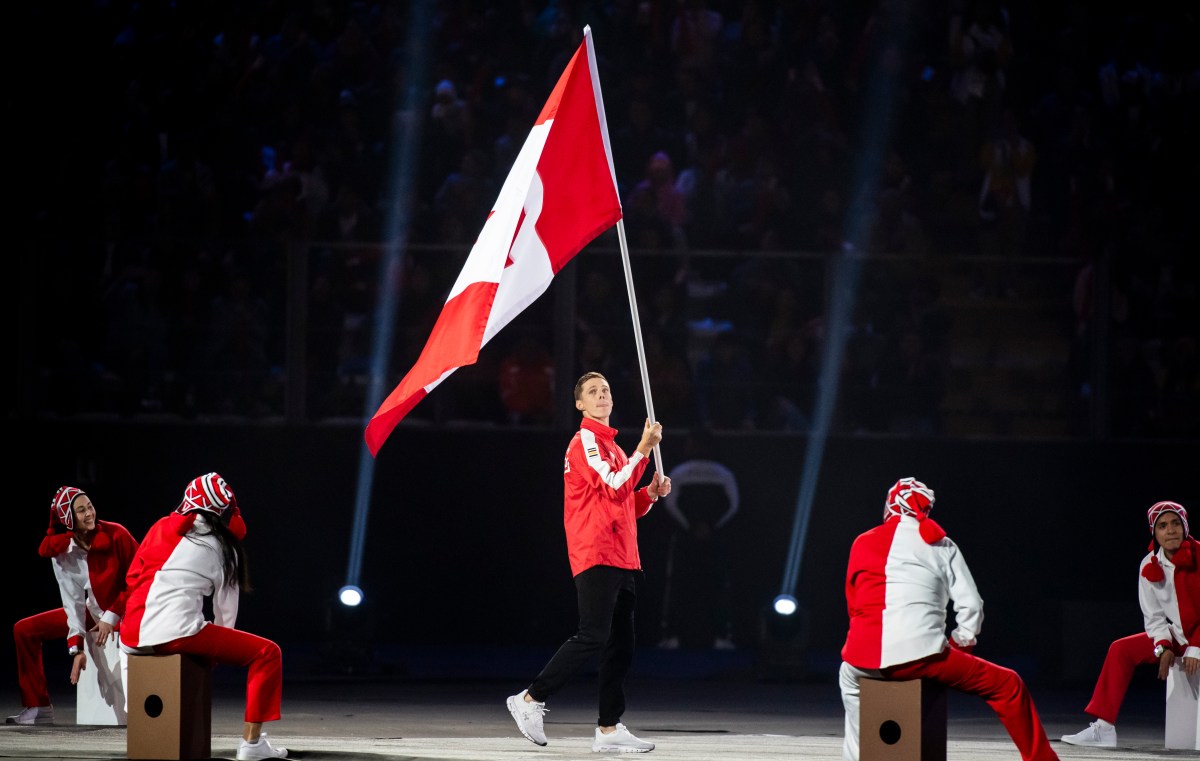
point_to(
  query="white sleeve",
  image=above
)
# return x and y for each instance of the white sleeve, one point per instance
(74, 596)
(968, 605)
(225, 602)
(225, 606)
(1153, 615)
(224, 596)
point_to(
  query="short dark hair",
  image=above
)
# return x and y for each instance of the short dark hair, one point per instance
(584, 379)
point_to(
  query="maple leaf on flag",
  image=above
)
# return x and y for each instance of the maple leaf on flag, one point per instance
(560, 194)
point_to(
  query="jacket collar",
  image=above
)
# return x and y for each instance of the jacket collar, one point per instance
(598, 427)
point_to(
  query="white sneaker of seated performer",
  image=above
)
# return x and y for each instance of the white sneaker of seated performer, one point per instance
(1099, 734)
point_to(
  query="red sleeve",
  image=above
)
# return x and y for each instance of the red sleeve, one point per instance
(125, 547)
(851, 574)
(641, 500)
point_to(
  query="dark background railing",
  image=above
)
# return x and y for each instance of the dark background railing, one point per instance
(286, 331)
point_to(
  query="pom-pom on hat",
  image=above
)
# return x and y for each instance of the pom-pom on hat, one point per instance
(60, 506)
(208, 492)
(1166, 506)
(909, 497)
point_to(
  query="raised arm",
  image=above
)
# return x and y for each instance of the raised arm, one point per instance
(587, 459)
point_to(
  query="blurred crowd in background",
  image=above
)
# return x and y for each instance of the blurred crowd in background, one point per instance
(1034, 171)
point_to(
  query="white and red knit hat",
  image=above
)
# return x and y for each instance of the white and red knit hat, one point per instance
(60, 506)
(211, 493)
(1166, 506)
(908, 496)
(207, 492)
(1153, 570)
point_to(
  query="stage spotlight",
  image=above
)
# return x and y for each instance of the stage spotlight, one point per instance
(348, 645)
(783, 640)
(350, 595)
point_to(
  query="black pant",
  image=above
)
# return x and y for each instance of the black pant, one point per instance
(607, 597)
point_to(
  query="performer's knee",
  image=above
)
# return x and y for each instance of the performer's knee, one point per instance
(23, 629)
(270, 653)
(1125, 651)
(1008, 682)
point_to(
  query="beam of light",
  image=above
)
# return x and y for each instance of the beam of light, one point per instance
(843, 293)
(846, 272)
(785, 605)
(402, 173)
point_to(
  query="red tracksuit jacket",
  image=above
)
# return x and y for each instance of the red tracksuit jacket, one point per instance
(600, 503)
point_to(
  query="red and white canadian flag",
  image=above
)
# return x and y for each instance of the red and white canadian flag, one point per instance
(560, 194)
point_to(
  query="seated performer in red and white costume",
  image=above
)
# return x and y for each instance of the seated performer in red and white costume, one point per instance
(193, 553)
(1169, 593)
(900, 578)
(90, 557)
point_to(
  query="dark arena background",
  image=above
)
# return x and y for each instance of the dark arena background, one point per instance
(951, 240)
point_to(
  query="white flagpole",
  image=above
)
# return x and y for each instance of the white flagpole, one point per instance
(637, 336)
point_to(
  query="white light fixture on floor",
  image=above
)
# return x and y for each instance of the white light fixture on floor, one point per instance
(350, 595)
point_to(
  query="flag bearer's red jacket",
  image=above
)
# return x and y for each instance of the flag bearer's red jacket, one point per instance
(600, 503)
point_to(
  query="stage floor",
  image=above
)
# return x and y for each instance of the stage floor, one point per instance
(343, 719)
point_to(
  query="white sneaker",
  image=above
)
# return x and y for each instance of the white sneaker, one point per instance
(528, 715)
(620, 740)
(1097, 735)
(261, 749)
(33, 715)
